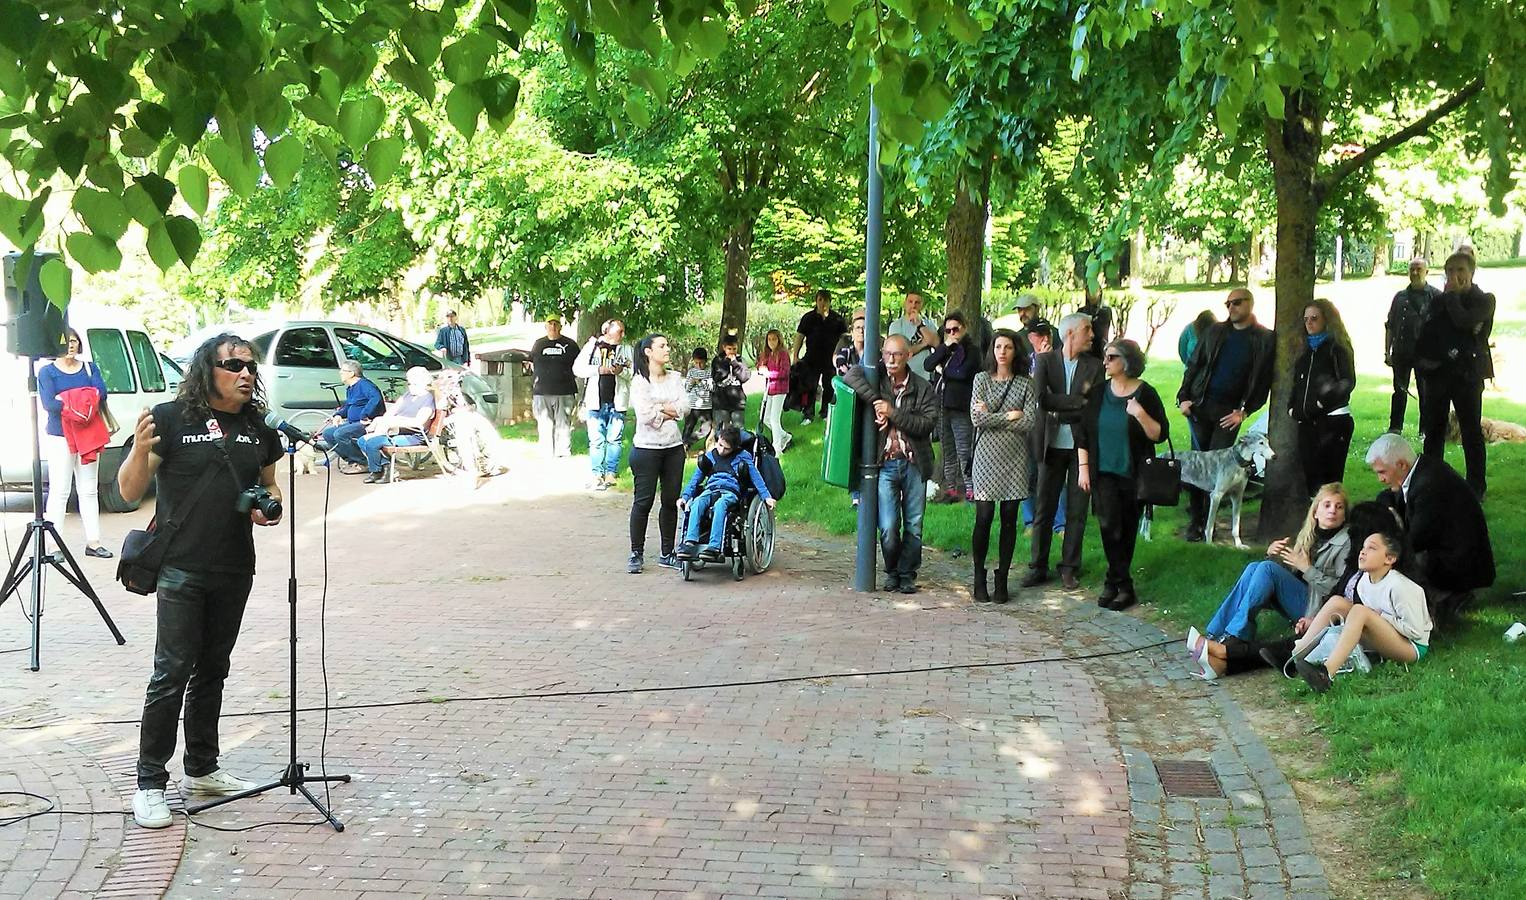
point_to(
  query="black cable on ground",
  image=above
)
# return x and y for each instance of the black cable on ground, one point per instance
(657, 689)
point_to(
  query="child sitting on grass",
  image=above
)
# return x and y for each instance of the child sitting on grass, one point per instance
(721, 472)
(1391, 620)
(697, 384)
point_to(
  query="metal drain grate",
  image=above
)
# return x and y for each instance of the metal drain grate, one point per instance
(1188, 778)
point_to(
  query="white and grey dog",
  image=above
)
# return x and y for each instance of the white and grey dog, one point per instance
(1224, 473)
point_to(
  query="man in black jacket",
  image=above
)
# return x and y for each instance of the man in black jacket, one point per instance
(1063, 380)
(1406, 315)
(1453, 362)
(1228, 378)
(905, 412)
(1444, 525)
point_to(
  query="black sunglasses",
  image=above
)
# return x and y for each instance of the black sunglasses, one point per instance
(1238, 302)
(955, 330)
(235, 365)
(1111, 356)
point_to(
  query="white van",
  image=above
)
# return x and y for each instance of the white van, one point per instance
(135, 379)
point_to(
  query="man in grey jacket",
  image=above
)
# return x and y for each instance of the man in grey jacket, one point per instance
(1063, 379)
(905, 412)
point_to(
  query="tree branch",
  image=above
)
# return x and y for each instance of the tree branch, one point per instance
(1414, 129)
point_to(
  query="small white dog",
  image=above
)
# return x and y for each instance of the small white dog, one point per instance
(307, 459)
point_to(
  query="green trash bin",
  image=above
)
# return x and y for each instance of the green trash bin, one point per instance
(843, 451)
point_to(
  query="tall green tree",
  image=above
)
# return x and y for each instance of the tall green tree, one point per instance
(1292, 79)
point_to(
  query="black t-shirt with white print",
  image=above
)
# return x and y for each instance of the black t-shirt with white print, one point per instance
(215, 536)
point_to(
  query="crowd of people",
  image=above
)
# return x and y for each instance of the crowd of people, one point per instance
(1053, 422)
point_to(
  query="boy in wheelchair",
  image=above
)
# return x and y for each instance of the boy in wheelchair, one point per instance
(728, 473)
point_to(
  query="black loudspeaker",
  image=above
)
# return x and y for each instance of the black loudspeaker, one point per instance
(34, 327)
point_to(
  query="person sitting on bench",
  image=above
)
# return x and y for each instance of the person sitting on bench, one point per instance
(408, 417)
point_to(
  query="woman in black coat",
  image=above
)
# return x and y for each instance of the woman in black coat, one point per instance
(1121, 426)
(1323, 379)
(954, 365)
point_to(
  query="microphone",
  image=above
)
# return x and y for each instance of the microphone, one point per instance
(293, 434)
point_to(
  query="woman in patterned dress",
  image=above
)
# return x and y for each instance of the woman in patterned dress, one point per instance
(1003, 409)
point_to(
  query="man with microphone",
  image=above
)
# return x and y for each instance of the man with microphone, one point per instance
(208, 450)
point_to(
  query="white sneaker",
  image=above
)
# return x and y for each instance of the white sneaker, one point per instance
(150, 810)
(219, 784)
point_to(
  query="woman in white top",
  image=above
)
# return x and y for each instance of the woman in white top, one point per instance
(660, 402)
(1392, 619)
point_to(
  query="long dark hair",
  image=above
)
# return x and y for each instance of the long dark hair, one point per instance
(642, 367)
(1019, 352)
(199, 388)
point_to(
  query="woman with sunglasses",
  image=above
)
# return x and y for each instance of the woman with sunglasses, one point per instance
(66, 468)
(954, 366)
(1323, 379)
(1121, 426)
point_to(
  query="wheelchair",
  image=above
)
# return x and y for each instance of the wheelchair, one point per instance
(748, 546)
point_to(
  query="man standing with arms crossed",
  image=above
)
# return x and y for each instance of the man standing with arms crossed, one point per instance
(203, 449)
(1228, 378)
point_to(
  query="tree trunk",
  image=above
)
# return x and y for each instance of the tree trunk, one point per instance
(1294, 147)
(964, 235)
(738, 248)
(591, 320)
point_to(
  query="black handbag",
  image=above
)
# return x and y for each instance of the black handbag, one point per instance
(1158, 482)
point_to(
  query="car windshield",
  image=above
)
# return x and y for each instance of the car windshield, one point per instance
(368, 349)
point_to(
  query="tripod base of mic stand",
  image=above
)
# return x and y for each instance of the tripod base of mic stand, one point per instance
(295, 779)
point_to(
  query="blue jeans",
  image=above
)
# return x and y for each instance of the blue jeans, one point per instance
(1030, 510)
(605, 428)
(342, 440)
(372, 448)
(1261, 583)
(718, 504)
(903, 499)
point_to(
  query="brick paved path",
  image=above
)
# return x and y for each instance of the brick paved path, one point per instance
(1001, 781)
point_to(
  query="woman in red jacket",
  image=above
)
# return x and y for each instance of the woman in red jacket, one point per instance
(773, 362)
(66, 469)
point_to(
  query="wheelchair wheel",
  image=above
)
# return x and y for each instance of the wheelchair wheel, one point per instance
(758, 536)
(738, 568)
(686, 568)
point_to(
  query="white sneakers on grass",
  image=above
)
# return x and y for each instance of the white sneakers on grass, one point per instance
(151, 810)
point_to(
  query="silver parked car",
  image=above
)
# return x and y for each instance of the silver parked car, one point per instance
(299, 364)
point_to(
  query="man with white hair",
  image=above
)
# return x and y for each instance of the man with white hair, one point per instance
(1444, 524)
(363, 401)
(1063, 380)
(1406, 316)
(402, 425)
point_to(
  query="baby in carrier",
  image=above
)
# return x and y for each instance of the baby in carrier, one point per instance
(720, 471)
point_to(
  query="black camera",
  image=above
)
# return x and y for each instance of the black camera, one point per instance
(258, 497)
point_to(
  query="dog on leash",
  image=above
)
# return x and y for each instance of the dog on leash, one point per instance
(307, 459)
(1495, 431)
(1224, 474)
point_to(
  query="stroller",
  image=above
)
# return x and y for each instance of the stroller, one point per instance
(749, 542)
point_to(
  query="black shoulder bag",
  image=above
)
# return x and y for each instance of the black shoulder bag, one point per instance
(1158, 481)
(143, 550)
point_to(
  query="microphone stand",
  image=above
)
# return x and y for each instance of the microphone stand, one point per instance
(295, 779)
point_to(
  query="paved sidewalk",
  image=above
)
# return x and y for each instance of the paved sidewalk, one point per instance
(1007, 780)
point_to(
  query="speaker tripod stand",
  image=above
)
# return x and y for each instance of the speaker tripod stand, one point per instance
(32, 554)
